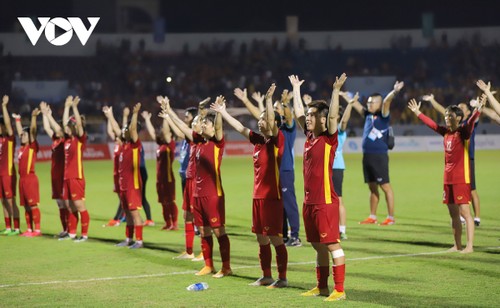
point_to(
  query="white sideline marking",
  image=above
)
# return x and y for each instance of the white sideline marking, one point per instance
(22, 284)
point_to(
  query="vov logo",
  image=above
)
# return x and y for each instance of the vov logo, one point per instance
(49, 25)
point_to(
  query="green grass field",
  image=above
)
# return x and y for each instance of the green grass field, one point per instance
(404, 265)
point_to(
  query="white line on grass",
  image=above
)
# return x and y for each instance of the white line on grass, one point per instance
(22, 284)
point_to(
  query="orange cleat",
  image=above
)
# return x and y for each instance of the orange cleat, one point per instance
(368, 221)
(206, 270)
(387, 222)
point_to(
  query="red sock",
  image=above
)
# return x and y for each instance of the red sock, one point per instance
(16, 223)
(138, 233)
(85, 222)
(281, 260)
(322, 273)
(265, 257)
(7, 223)
(174, 212)
(339, 277)
(207, 246)
(166, 214)
(35, 213)
(72, 222)
(225, 250)
(63, 216)
(29, 221)
(189, 234)
(129, 231)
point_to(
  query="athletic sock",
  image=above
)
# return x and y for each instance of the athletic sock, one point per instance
(339, 277)
(225, 250)
(207, 245)
(322, 273)
(8, 224)
(16, 223)
(63, 216)
(342, 229)
(189, 235)
(85, 222)
(138, 233)
(373, 216)
(281, 260)
(265, 259)
(165, 213)
(36, 216)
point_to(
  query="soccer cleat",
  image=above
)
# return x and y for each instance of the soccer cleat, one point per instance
(149, 223)
(65, 237)
(184, 256)
(36, 233)
(206, 270)
(112, 223)
(223, 273)
(124, 243)
(27, 234)
(293, 242)
(5, 231)
(368, 221)
(387, 222)
(80, 239)
(14, 232)
(316, 292)
(262, 281)
(343, 236)
(198, 258)
(279, 283)
(335, 296)
(61, 234)
(136, 245)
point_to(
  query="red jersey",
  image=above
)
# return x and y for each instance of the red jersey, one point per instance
(57, 169)
(116, 158)
(208, 161)
(267, 156)
(164, 158)
(128, 168)
(191, 167)
(73, 154)
(319, 153)
(27, 158)
(456, 149)
(7, 147)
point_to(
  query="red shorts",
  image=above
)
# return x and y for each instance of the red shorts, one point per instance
(165, 191)
(456, 194)
(321, 222)
(209, 211)
(131, 199)
(29, 190)
(188, 199)
(267, 217)
(74, 189)
(8, 186)
(57, 188)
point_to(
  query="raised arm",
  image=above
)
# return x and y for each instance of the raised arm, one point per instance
(356, 104)
(347, 112)
(259, 98)
(44, 108)
(67, 105)
(19, 125)
(269, 110)
(113, 128)
(168, 123)
(490, 113)
(6, 117)
(242, 96)
(219, 133)
(333, 111)
(221, 109)
(167, 112)
(486, 88)
(78, 118)
(33, 130)
(286, 97)
(430, 98)
(58, 131)
(386, 105)
(415, 108)
(126, 113)
(134, 135)
(149, 126)
(297, 101)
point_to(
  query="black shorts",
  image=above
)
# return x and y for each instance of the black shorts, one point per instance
(376, 168)
(472, 175)
(338, 179)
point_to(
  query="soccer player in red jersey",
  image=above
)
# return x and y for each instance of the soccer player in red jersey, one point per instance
(131, 182)
(29, 190)
(8, 172)
(184, 129)
(456, 192)
(55, 132)
(165, 181)
(267, 210)
(321, 204)
(74, 179)
(209, 208)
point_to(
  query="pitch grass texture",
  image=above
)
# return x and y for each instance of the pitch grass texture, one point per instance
(400, 266)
